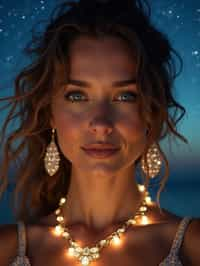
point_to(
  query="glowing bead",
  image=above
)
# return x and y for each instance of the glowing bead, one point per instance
(131, 222)
(62, 201)
(65, 234)
(103, 242)
(57, 211)
(148, 199)
(141, 188)
(71, 251)
(94, 250)
(95, 255)
(78, 249)
(60, 219)
(144, 219)
(58, 230)
(86, 251)
(85, 261)
(116, 240)
(121, 230)
(143, 208)
(74, 244)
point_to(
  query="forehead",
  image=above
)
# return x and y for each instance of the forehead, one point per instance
(100, 60)
(107, 44)
(108, 54)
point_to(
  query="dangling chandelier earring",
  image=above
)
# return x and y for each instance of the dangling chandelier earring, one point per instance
(153, 160)
(51, 159)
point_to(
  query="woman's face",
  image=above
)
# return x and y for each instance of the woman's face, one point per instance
(105, 107)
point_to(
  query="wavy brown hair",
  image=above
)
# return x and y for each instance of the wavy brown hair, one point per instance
(35, 86)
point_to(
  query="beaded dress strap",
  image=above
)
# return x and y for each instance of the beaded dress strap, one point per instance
(21, 239)
(21, 258)
(179, 235)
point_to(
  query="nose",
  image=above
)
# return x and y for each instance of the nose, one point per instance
(101, 125)
(102, 122)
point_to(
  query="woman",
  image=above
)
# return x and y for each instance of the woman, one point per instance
(94, 105)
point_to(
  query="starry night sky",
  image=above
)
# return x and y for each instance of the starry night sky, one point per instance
(180, 20)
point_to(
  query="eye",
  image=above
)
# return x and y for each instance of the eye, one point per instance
(74, 96)
(131, 95)
(70, 94)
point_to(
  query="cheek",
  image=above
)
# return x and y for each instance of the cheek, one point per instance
(133, 127)
(134, 135)
(68, 129)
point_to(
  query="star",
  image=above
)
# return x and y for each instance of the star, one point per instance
(195, 52)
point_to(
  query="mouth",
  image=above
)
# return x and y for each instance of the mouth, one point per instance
(101, 153)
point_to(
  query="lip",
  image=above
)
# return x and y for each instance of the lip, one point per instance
(100, 146)
(101, 153)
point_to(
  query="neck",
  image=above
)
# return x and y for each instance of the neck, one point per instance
(100, 203)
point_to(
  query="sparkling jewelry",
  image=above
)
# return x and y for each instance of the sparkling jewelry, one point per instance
(153, 160)
(86, 255)
(51, 159)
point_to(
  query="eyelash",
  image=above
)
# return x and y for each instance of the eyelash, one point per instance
(79, 92)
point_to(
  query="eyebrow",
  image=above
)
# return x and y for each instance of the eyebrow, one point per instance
(120, 83)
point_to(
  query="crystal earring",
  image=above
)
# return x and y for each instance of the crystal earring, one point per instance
(153, 160)
(51, 160)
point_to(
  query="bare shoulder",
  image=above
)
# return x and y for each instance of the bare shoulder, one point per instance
(167, 227)
(9, 240)
(160, 232)
(8, 243)
(192, 242)
(36, 234)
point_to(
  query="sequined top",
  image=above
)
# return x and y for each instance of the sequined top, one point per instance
(171, 260)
